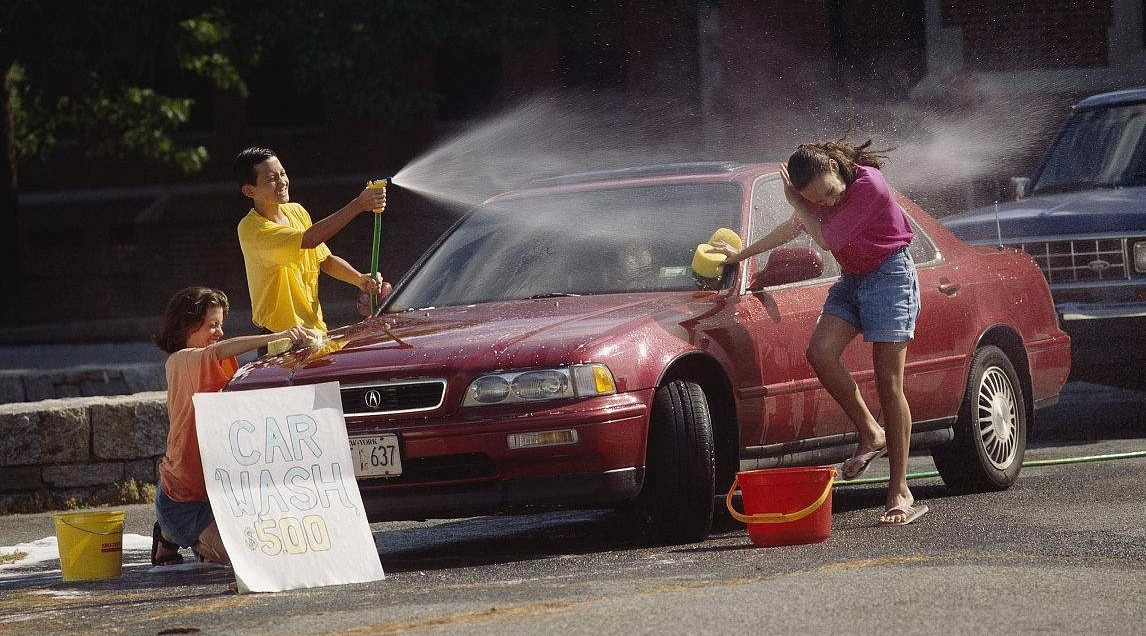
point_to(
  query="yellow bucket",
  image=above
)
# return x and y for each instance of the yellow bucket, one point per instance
(91, 545)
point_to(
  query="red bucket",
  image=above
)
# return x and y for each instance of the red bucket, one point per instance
(785, 506)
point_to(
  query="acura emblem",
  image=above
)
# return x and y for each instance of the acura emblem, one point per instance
(1098, 265)
(373, 398)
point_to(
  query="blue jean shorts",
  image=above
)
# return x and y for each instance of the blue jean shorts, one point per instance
(183, 521)
(882, 304)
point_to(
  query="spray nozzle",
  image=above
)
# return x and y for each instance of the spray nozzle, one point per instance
(378, 184)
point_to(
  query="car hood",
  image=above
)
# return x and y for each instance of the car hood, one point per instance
(490, 336)
(1089, 212)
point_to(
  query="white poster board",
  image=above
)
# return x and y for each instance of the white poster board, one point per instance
(281, 485)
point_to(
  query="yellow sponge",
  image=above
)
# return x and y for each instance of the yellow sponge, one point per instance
(282, 345)
(708, 264)
(728, 236)
(275, 347)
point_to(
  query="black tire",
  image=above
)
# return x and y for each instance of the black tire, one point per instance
(991, 431)
(676, 500)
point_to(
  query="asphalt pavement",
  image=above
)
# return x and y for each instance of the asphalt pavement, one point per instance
(1061, 552)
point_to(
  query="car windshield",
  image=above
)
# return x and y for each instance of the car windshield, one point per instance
(1103, 148)
(599, 241)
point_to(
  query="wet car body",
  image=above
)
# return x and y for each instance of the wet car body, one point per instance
(700, 379)
(1081, 216)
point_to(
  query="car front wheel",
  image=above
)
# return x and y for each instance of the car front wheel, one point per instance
(991, 430)
(676, 501)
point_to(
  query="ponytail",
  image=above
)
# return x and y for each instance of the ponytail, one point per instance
(812, 159)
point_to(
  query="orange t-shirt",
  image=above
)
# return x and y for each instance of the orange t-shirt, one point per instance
(189, 371)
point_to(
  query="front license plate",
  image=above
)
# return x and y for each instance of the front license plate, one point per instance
(376, 456)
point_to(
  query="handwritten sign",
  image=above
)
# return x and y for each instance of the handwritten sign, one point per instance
(281, 485)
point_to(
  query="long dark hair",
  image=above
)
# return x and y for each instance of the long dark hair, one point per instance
(186, 311)
(812, 159)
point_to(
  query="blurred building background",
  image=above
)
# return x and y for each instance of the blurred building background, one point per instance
(100, 240)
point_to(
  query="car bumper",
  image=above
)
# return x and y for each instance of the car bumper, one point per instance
(1110, 350)
(1074, 312)
(462, 466)
(467, 500)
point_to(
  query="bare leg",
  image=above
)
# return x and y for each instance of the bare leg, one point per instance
(888, 359)
(210, 545)
(831, 336)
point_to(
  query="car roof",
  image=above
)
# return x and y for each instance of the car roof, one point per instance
(696, 168)
(671, 173)
(1113, 98)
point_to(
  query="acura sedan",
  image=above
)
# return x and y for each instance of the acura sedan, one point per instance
(555, 348)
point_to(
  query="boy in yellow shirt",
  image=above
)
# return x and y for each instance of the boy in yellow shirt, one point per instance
(283, 251)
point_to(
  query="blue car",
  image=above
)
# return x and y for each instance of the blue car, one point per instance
(1082, 217)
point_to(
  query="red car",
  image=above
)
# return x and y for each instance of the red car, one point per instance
(555, 348)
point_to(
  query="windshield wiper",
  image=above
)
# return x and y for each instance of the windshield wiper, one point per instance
(552, 295)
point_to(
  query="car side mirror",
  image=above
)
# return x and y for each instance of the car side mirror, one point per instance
(789, 265)
(1021, 185)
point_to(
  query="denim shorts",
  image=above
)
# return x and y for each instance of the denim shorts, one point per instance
(882, 304)
(183, 521)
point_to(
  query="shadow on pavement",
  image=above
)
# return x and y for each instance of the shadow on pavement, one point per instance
(1086, 413)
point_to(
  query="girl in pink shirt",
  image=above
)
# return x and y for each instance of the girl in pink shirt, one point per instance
(840, 199)
(200, 361)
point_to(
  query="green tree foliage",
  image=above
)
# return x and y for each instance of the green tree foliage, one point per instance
(114, 76)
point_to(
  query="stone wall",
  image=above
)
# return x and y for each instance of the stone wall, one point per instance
(33, 385)
(81, 448)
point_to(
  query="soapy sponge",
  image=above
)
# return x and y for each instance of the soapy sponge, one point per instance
(708, 264)
(282, 345)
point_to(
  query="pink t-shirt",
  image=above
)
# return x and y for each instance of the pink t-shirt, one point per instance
(189, 371)
(867, 225)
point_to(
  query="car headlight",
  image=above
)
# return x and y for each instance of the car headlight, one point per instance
(583, 380)
(1140, 257)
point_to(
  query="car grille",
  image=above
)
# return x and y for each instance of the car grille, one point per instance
(403, 396)
(1081, 260)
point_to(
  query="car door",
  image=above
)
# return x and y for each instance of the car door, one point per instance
(945, 332)
(781, 319)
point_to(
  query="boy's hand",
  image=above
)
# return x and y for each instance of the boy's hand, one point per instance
(365, 307)
(371, 199)
(370, 285)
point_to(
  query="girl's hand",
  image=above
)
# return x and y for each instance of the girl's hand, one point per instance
(720, 247)
(297, 335)
(790, 191)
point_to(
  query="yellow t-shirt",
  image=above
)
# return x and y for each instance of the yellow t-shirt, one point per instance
(281, 276)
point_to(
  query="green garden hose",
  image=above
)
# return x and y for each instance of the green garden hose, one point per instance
(1039, 462)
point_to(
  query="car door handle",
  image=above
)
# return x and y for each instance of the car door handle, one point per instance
(948, 288)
